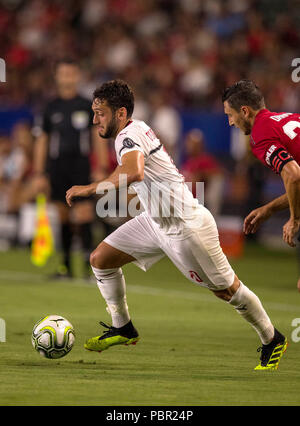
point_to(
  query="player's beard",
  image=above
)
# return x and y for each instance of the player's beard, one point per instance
(111, 129)
(245, 126)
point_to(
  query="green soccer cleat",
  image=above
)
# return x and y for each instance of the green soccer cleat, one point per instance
(126, 335)
(271, 354)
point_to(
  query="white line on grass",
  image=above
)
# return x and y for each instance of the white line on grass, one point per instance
(139, 289)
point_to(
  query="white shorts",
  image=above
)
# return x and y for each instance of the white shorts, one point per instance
(198, 256)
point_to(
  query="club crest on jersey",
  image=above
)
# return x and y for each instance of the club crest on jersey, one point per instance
(128, 143)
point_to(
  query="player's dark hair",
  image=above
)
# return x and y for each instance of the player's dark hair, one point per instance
(117, 94)
(244, 93)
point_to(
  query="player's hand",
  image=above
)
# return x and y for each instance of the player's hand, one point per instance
(77, 191)
(290, 229)
(254, 219)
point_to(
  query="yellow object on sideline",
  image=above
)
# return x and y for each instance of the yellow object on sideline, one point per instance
(42, 246)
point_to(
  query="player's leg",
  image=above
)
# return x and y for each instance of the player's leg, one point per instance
(132, 242)
(204, 263)
(202, 260)
(106, 263)
(248, 305)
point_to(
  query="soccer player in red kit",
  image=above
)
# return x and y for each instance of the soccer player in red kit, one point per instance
(275, 141)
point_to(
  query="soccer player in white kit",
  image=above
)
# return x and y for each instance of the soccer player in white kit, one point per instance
(173, 223)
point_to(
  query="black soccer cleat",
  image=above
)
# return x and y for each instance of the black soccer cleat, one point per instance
(126, 335)
(271, 354)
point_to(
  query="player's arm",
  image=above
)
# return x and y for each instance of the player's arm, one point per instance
(131, 170)
(290, 174)
(257, 216)
(291, 178)
(278, 159)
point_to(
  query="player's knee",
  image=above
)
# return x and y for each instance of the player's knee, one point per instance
(97, 259)
(93, 256)
(102, 258)
(227, 293)
(223, 294)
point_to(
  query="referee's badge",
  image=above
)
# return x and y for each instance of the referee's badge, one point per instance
(80, 120)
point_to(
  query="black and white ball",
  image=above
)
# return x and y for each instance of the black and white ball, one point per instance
(53, 336)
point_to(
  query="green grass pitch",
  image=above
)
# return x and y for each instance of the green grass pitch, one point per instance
(194, 348)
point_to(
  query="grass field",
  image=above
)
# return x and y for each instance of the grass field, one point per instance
(194, 348)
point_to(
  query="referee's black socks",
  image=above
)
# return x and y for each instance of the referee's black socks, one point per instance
(66, 241)
(85, 232)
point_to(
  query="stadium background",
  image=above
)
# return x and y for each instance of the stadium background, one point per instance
(178, 55)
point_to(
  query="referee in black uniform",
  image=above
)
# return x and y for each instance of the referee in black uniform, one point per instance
(62, 159)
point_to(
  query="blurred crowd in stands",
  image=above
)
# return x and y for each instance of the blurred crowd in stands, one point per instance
(176, 54)
(181, 52)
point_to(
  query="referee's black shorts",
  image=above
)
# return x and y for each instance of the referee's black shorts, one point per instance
(66, 172)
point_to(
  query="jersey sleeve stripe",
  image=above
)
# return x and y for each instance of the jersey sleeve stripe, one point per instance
(155, 149)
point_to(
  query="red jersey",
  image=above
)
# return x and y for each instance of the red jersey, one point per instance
(275, 138)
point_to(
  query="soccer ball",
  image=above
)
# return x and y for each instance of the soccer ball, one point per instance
(53, 336)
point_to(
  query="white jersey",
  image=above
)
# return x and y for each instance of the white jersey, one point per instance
(163, 193)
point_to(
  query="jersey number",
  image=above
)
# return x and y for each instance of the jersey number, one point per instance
(289, 128)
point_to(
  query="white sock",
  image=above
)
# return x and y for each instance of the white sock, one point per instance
(111, 284)
(248, 305)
